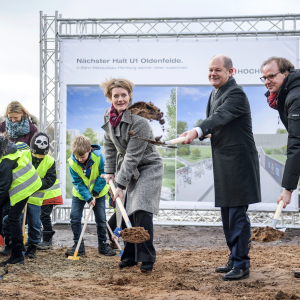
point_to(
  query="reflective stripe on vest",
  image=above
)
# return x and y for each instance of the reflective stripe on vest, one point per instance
(89, 182)
(53, 192)
(46, 163)
(25, 178)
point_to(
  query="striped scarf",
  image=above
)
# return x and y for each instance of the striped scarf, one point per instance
(16, 129)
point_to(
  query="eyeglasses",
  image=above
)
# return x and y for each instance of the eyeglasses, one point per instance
(270, 77)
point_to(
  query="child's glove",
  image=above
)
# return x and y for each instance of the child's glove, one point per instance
(117, 231)
(112, 203)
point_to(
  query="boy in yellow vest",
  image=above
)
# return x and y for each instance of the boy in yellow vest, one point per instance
(19, 180)
(45, 167)
(86, 166)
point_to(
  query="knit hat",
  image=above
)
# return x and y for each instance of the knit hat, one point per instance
(22, 146)
(40, 143)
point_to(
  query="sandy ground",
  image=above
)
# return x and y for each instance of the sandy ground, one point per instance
(185, 269)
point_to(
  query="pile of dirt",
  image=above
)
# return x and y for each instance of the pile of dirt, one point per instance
(285, 296)
(266, 234)
(148, 111)
(135, 235)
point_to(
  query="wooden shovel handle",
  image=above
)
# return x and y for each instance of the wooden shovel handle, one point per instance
(278, 210)
(24, 219)
(83, 230)
(118, 245)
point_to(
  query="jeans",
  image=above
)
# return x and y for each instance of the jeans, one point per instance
(46, 211)
(100, 218)
(34, 224)
(12, 227)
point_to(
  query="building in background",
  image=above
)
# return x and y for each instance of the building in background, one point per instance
(73, 132)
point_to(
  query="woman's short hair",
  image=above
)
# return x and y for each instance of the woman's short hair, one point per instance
(109, 85)
(80, 145)
(16, 107)
(283, 63)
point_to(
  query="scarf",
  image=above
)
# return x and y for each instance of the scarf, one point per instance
(16, 129)
(272, 100)
(114, 118)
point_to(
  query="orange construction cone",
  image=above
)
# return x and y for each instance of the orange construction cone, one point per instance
(1, 240)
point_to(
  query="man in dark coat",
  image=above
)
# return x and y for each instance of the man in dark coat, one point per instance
(235, 162)
(283, 84)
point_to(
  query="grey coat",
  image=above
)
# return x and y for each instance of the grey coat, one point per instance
(135, 163)
(234, 154)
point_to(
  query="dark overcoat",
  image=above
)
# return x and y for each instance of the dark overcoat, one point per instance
(234, 154)
(288, 106)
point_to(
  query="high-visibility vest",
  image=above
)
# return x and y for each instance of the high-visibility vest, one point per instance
(89, 182)
(37, 198)
(26, 180)
(53, 191)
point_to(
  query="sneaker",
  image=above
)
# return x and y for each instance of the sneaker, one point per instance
(16, 254)
(71, 252)
(47, 240)
(31, 251)
(106, 250)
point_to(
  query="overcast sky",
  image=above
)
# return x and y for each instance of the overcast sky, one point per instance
(19, 27)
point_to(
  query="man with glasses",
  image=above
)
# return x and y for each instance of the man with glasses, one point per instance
(283, 84)
(235, 162)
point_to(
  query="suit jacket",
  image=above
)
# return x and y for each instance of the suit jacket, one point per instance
(136, 163)
(234, 154)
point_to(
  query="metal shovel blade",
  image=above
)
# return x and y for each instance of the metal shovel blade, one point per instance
(274, 224)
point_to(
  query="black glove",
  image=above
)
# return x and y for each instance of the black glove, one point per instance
(90, 200)
(95, 194)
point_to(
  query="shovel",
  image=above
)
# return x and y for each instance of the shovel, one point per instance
(276, 217)
(75, 257)
(23, 224)
(118, 245)
(170, 143)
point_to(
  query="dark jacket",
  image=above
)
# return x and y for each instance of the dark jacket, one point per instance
(234, 154)
(288, 106)
(24, 138)
(6, 167)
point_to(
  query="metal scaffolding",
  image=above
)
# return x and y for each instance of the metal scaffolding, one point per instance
(53, 29)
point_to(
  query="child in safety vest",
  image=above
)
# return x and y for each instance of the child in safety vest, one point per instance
(86, 165)
(45, 167)
(53, 196)
(19, 180)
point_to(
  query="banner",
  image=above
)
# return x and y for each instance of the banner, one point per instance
(172, 74)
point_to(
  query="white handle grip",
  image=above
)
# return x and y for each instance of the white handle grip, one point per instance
(278, 210)
(120, 205)
(176, 141)
(24, 219)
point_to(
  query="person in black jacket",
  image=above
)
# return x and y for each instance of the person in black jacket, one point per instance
(283, 84)
(235, 162)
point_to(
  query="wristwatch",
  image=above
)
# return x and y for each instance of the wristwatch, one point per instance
(290, 190)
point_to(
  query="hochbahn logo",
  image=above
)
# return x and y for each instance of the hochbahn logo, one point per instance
(246, 71)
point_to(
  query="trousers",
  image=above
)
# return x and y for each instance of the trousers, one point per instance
(237, 230)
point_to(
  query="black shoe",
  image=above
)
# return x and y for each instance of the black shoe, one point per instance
(127, 263)
(146, 266)
(297, 274)
(31, 251)
(16, 254)
(106, 250)
(47, 240)
(236, 274)
(225, 269)
(81, 250)
(7, 248)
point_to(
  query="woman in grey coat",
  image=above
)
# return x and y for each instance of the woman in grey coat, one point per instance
(133, 164)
